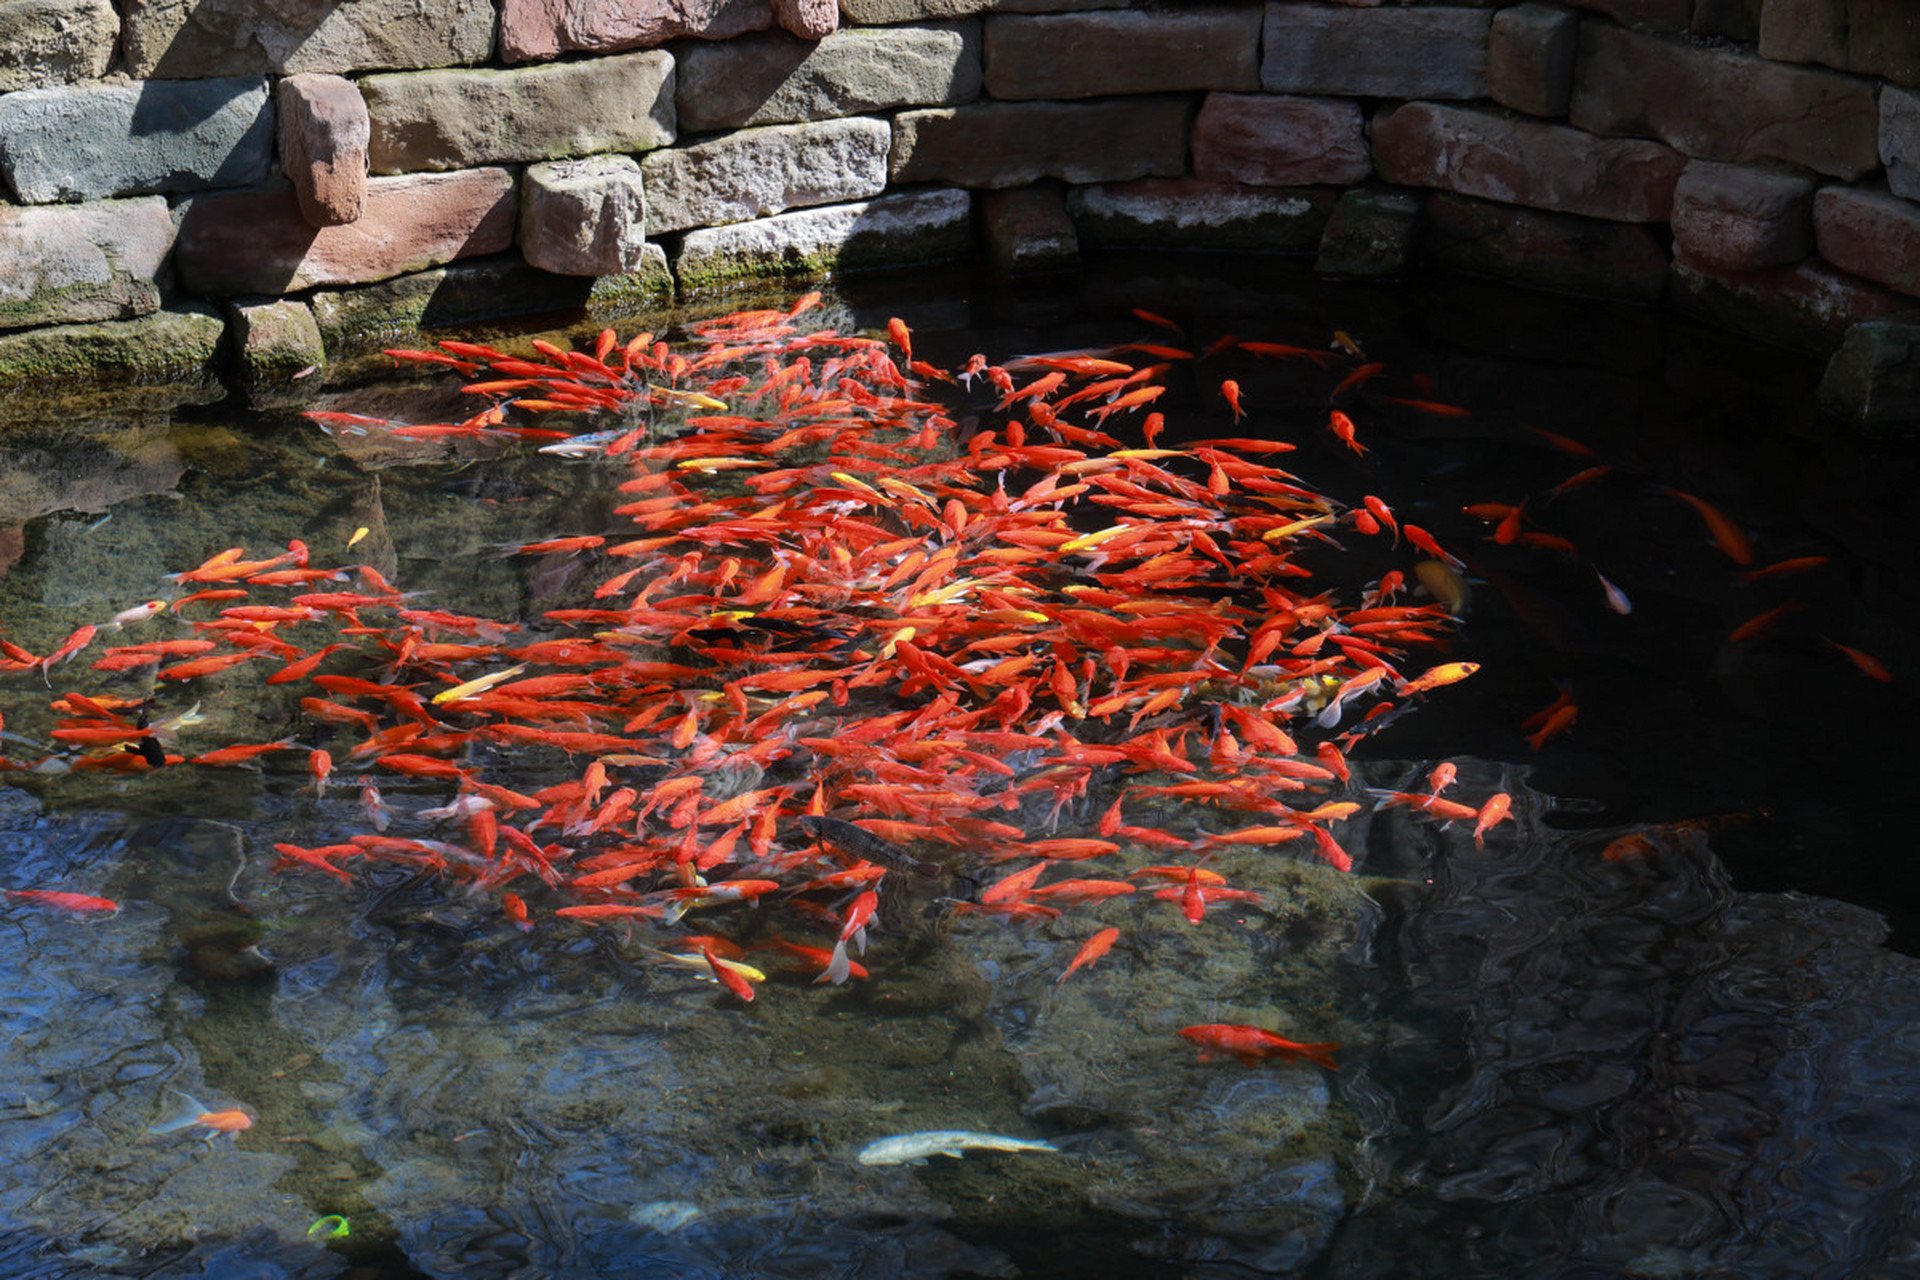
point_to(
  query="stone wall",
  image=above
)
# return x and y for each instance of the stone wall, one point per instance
(1753, 161)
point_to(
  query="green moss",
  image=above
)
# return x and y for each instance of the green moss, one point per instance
(169, 350)
(50, 304)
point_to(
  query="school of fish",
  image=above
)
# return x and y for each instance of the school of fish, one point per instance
(852, 632)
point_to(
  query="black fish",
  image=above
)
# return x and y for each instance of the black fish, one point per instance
(863, 843)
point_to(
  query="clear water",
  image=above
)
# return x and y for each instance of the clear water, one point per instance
(1692, 1061)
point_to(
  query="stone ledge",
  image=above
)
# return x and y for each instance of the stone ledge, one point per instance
(174, 349)
(584, 217)
(1185, 213)
(923, 226)
(1028, 231)
(1805, 307)
(1562, 252)
(356, 323)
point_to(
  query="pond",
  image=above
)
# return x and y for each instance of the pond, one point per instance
(1656, 1022)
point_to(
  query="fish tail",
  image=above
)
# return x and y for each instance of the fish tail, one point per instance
(184, 1116)
(1320, 1055)
(839, 968)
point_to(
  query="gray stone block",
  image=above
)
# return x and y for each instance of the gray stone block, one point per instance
(50, 42)
(186, 39)
(1530, 58)
(461, 119)
(1389, 53)
(1900, 140)
(758, 172)
(1723, 104)
(1091, 55)
(1873, 380)
(88, 142)
(775, 78)
(82, 262)
(1029, 231)
(584, 217)
(920, 226)
(280, 352)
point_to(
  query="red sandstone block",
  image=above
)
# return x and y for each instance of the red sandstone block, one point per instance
(254, 241)
(1730, 218)
(808, 19)
(324, 132)
(1090, 55)
(1871, 234)
(1269, 140)
(1526, 162)
(544, 28)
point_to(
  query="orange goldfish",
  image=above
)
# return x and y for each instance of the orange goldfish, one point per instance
(192, 1112)
(1251, 1045)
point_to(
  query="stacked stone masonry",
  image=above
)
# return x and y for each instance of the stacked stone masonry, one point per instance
(1756, 162)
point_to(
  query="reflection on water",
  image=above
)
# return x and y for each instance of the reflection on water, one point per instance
(1631, 1069)
(1555, 1062)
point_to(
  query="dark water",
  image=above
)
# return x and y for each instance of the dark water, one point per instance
(1695, 1060)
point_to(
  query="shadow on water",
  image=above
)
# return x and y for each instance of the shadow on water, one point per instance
(1634, 1034)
